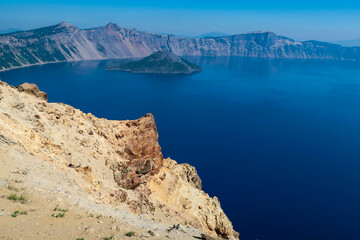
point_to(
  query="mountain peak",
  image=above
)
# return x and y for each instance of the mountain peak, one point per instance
(112, 25)
(65, 25)
(262, 32)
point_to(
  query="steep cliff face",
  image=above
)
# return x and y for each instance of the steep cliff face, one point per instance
(64, 42)
(93, 160)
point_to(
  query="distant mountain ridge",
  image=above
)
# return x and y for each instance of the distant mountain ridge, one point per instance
(350, 43)
(64, 42)
(10, 30)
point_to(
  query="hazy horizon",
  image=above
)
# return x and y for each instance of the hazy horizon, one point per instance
(322, 20)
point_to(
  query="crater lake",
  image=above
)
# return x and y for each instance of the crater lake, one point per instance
(277, 141)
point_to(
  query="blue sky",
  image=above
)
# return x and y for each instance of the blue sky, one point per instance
(301, 20)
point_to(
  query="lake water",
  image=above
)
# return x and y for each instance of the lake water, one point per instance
(278, 141)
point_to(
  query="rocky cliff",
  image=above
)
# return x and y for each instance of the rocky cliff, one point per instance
(114, 168)
(64, 42)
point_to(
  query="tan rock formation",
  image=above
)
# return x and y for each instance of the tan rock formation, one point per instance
(106, 162)
(176, 186)
(32, 89)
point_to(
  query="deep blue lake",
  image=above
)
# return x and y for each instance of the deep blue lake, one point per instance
(277, 141)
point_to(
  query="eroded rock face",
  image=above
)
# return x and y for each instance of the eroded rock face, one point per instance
(190, 175)
(136, 142)
(180, 189)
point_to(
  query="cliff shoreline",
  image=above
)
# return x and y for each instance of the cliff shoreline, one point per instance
(120, 58)
(64, 42)
(37, 64)
(115, 168)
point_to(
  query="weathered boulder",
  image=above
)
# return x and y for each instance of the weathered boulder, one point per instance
(131, 181)
(131, 174)
(32, 89)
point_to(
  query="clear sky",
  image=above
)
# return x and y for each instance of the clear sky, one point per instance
(301, 19)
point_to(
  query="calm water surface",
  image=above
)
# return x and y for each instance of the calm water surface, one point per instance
(277, 141)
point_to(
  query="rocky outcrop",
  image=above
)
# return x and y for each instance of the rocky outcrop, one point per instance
(136, 143)
(64, 42)
(117, 163)
(32, 89)
(189, 174)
